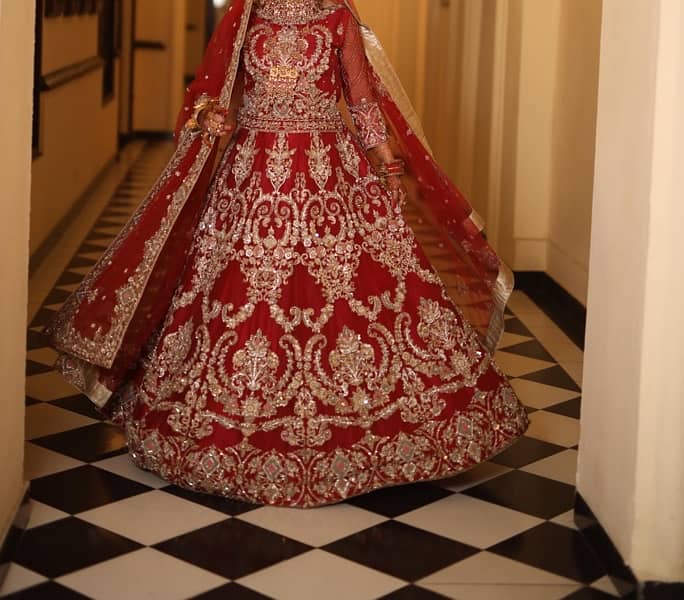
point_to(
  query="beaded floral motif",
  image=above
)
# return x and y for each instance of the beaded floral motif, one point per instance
(349, 156)
(320, 166)
(244, 159)
(279, 162)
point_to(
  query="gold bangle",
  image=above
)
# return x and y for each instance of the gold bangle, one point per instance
(204, 102)
(393, 168)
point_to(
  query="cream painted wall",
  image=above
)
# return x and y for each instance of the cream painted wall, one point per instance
(78, 138)
(68, 40)
(436, 68)
(159, 74)
(16, 72)
(78, 131)
(195, 42)
(126, 67)
(631, 458)
(532, 192)
(509, 106)
(541, 99)
(573, 144)
(541, 176)
(401, 26)
(443, 75)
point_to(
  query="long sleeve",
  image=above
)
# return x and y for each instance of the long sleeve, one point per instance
(357, 87)
(210, 75)
(208, 81)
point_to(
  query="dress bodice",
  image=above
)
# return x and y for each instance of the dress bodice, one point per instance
(292, 74)
(296, 69)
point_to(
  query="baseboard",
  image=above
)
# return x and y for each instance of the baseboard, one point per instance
(13, 536)
(152, 136)
(621, 575)
(555, 302)
(567, 271)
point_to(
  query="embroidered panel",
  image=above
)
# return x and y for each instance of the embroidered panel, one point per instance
(288, 78)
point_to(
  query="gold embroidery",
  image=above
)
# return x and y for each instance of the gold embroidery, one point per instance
(291, 11)
(352, 362)
(254, 369)
(284, 66)
(310, 476)
(349, 155)
(369, 123)
(279, 161)
(320, 167)
(244, 159)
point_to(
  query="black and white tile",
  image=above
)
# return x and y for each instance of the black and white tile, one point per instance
(101, 528)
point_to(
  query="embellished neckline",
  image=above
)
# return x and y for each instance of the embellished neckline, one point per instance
(291, 12)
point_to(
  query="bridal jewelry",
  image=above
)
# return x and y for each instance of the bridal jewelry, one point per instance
(393, 168)
(204, 103)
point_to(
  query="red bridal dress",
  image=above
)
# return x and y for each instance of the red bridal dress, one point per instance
(308, 351)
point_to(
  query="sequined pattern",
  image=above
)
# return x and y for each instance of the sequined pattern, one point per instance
(295, 73)
(290, 11)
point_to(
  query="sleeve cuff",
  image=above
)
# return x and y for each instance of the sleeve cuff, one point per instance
(370, 124)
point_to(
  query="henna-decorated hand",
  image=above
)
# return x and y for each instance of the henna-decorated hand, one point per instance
(215, 122)
(396, 187)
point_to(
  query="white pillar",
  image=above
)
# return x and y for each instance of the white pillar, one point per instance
(16, 74)
(631, 467)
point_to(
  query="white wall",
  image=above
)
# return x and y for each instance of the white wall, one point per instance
(549, 127)
(631, 463)
(16, 73)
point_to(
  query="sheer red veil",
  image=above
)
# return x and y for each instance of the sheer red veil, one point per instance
(103, 327)
(484, 282)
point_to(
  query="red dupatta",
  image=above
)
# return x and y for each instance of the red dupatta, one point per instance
(103, 326)
(484, 282)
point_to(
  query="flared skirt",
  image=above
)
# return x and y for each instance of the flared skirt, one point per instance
(311, 352)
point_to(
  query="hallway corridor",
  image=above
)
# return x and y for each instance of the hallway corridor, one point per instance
(100, 528)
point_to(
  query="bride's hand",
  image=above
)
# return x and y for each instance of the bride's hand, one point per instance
(396, 187)
(215, 122)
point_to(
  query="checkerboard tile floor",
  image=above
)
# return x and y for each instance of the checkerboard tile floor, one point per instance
(100, 528)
